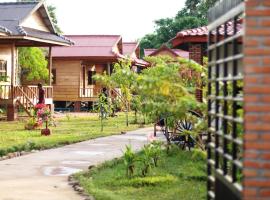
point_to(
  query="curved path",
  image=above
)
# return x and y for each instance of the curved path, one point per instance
(43, 175)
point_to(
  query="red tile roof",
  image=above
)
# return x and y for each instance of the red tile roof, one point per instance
(130, 47)
(89, 46)
(203, 31)
(200, 34)
(176, 52)
(193, 32)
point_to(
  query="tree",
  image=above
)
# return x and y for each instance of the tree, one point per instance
(122, 78)
(193, 15)
(33, 61)
(102, 108)
(167, 89)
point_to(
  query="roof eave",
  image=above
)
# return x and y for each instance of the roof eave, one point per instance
(176, 41)
(30, 38)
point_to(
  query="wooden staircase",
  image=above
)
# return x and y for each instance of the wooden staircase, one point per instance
(26, 98)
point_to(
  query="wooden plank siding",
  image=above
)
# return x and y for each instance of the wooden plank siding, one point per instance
(69, 80)
(35, 21)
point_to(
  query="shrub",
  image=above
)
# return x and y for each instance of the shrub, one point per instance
(129, 160)
(198, 155)
(30, 145)
(2, 152)
(31, 124)
(147, 159)
(145, 181)
(156, 151)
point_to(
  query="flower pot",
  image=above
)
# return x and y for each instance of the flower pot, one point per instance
(45, 132)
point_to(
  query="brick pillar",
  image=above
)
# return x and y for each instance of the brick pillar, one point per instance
(196, 54)
(12, 112)
(257, 101)
(77, 106)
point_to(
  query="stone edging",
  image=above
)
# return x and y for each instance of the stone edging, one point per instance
(76, 186)
(17, 154)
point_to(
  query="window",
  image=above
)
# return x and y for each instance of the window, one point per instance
(53, 76)
(3, 69)
(91, 81)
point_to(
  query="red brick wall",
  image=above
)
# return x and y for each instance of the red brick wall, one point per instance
(257, 101)
(196, 54)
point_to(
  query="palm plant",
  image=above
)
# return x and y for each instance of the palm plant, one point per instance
(147, 159)
(129, 160)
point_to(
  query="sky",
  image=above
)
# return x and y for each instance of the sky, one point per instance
(130, 18)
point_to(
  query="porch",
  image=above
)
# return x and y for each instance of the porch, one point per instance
(24, 96)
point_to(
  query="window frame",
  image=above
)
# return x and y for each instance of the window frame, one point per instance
(3, 68)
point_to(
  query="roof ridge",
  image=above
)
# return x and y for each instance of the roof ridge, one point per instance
(19, 3)
(93, 46)
(130, 42)
(92, 35)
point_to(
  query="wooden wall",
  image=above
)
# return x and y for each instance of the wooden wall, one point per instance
(6, 54)
(35, 21)
(69, 80)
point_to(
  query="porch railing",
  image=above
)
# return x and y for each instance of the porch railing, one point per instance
(87, 92)
(13, 92)
(5, 92)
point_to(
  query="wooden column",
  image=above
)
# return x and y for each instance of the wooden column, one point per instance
(109, 68)
(50, 65)
(12, 109)
(13, 63)
(77, 106)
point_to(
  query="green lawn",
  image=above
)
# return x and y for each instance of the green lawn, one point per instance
(179, 176)
(13, 137)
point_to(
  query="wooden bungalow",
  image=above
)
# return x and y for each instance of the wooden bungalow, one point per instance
(23, 24)
(132, 50)
(75, 66)
(164, 50)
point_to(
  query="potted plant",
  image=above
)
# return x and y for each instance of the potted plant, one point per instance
(44, 115)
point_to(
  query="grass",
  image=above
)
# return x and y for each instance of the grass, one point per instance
(181, 175)
(13, 136)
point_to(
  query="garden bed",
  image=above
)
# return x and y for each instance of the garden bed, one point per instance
(181, 175)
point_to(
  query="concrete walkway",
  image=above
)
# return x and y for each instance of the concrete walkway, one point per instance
(43, 175)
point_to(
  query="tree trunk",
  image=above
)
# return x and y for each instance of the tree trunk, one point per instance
(127, 118)
(136, 119)
(101, 123)
(127, 123)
